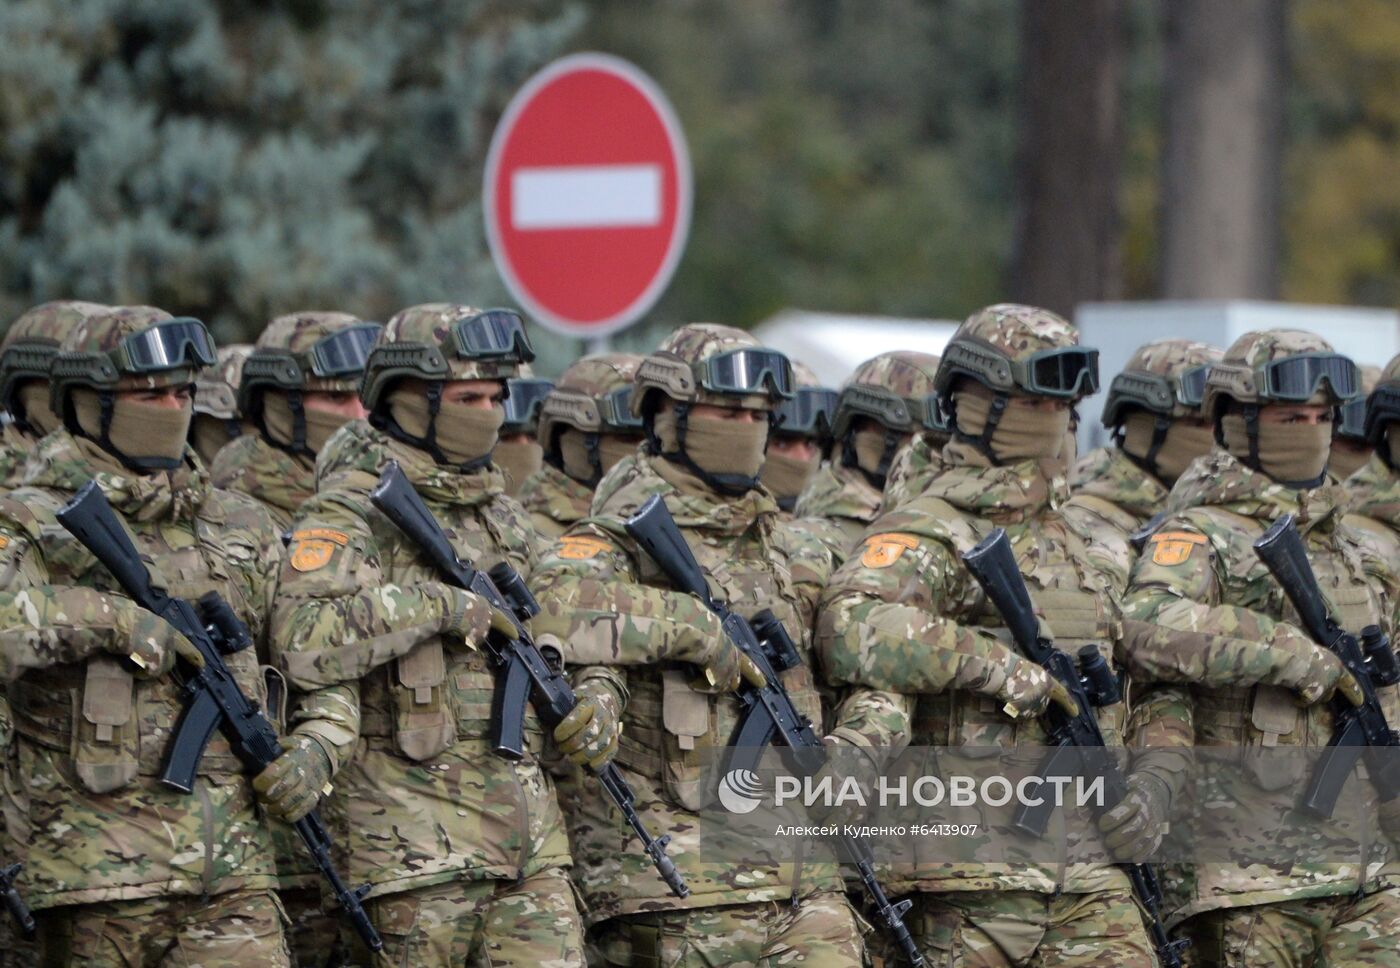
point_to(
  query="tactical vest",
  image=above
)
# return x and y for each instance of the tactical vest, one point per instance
(670, 730)
(113, 725)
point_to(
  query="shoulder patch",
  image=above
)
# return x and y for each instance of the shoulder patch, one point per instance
(313, 548)
(321, 534)
(883, 550)
(1174, 547)
(579, 547)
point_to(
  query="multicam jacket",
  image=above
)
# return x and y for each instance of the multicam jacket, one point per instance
(843, 496)
(405, 713)
(554, 501)
(82, 786)
(1107, 484)
(1202, 610)
(905, 615)
(277, 480)
(916, 463)
(617, 616)
(1374, 510)
(15, 448)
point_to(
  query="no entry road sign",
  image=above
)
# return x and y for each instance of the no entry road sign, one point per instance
(587, 195)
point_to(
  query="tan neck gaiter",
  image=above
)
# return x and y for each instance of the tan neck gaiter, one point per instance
(1288, 453)
(34, 397)
(1347, 458)
(869, 445)
(464, 433)
(614, 447)
(1021, 434)
(573, 448)
(717, 446)
(139, 431)
(1185, 442)
(281, 423)
(519, 459)
(208, 436)
(786, 476)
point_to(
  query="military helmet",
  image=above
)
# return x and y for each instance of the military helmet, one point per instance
(130, 348)
(308, 351)
(1010, 348)
(1383, 405)
(445, 341)
(810, 410)
(1167, 377)
(594, 395)
(525, 395)
(709, 363)
(1351, 424)
(216, 387)
(896, 390)
(31, 343)
(1279, 366)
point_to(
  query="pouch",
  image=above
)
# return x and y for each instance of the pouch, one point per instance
(106, 752)
(423, 725)
(685, 716)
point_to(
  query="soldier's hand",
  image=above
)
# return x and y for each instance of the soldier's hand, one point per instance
(1324, 675)
(1133, 830)
(588, 735)
(153, 646)
(470, 618)
(1028, 689)
(846, 768)
(291, 785)
(726, 669)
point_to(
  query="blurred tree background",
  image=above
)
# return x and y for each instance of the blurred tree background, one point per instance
(238, 158)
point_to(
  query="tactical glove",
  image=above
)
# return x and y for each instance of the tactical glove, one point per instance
(588, 735)
(1320, 674)
(470, 618)
(154, 645)
(1133, 830)
(847, 768)
(725, 669)
(1028, 689)
(290, 786)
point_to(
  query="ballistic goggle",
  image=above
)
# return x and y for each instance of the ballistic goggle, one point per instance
(1296, 379)
(808, 413)
(495, 334)
(167, 345)
(1070, 371)
(615, 409)
(1352, 422)
(1155, 392)
(341, 353)
(524, 397)
(746, 371)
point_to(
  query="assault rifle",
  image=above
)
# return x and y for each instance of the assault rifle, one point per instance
(213, 699)
(19, 911)
(1077, 744)
(768, 714)
(523, 672)
(1360, 729)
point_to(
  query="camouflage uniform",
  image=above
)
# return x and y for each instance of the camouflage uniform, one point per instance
(1374, 490)
(217, 418)
(904, 615)
(554, 498)
(518, 453)
(805, 417)
(280, 478)
(1202, 610)
(1351, 448)
(464, 851)
(619, 619)
(121, 869)
(895, 392)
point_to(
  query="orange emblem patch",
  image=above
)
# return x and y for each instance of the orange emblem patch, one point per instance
(309, 554)
(578, 547)
(883, 550)
(1174, 547)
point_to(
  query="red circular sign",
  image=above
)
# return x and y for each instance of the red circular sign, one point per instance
(587, 195)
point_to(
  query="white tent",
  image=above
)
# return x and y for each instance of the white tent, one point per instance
(833, 344)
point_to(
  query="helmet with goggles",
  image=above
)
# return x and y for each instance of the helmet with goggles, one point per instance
(1280, 366)
(1351, 422)
(810, 411)
(594, 397)
(712, 364)
(216, 387)
(896, 390)
(1383, 405)
(525, 396)
(1015, 349)
(1167, 378)
(30, 346)
(129, 348)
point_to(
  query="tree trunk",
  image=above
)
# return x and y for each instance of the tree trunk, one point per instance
(1222, 165)
(1068, 240)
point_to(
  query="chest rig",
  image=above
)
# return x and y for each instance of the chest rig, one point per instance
(113, 725)
(671, 732)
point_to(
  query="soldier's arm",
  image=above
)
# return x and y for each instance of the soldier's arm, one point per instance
(1177, 630)
(1161, 732)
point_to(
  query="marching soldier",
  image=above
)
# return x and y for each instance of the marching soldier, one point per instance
(1375, 488)
(799, 439)
(518, 453)
(1351, 450)
(217, 419)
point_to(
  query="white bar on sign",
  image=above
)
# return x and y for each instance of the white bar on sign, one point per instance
(586, 196)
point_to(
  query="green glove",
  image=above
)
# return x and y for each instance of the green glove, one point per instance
(588, 735)
(1133, 830)
(154, 645)
(290, 786)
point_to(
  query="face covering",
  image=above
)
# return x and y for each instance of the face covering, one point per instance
(573, 447)
(208, 436)
(1184, 442)
(34, 397)
(1023, 433)
(1288, 453)
(613, 447)
(717, 446)
(464, 434)
(869, 446)
(786, 476)
(140, 431)
(519, 459)
(1347, 458)
(281, 426)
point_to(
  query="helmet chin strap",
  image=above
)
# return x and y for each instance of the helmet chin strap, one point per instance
(554, 457)
(1148, 461)
(428, 442)
(730, 485)
(983, 441)
(1250, 412)
(877, 478)
(298, 446)
(107, 401)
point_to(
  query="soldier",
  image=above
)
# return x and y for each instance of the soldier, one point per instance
(920, 460)
(25, 355)
(706, 400)
(1375, 488)
(517, 451)
(905, 616)
(217, 419)
(1153, 412)
(1350, 449)
(122, 869)
(1204, 611)
(799, 439)
(884, 403)
(465, 851)
(299, 386)
(585, 427)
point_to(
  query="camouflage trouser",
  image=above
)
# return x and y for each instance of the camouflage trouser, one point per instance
(1028, 930)
(1328, 932)
(533, 923)
(225, 931)
(312, 934)
(822, 930)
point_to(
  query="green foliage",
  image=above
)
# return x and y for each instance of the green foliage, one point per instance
(238, 159)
